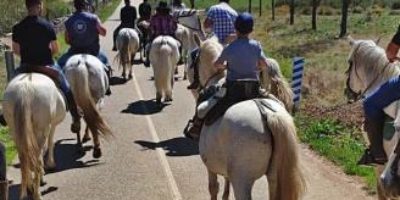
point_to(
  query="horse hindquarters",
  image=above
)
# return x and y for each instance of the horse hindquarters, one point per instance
(163, 71)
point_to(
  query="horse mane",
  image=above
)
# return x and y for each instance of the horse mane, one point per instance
(373, 57)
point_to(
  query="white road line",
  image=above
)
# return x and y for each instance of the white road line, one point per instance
(161, 154)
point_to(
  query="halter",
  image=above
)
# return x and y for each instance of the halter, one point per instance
(361, 95)
(190, 13)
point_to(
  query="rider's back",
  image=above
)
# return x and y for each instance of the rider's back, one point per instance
(83, 33)
(128, 16)
(34, 35)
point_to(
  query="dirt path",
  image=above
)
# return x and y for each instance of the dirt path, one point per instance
(149, 158)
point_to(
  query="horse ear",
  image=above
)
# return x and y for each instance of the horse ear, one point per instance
(351, 40)
(197, 39)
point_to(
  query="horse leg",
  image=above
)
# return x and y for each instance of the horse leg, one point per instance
(50, 164)
(86, 137)
(213, 185)
(225, 195)
(158, 97)
(242, 184)
(123, 72)
(130, 71)
(96, 149)
(38, 174)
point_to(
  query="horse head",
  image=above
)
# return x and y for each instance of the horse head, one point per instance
(367, 68)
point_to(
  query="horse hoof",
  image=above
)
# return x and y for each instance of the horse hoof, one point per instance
(49, 168)
(85, 139)
(97, 152)
(130, 76)
(42, 183)
(168, 99)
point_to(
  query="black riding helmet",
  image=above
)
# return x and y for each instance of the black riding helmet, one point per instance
(244, 23)
(80, 4)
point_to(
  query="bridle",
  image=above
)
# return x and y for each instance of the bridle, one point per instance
(196, 64)
(361, 94)
(190, 13)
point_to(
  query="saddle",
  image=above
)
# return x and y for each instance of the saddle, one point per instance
(222, 97)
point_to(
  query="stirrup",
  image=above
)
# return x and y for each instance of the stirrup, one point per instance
(188, 131)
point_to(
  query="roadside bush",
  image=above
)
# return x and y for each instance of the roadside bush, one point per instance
(358, 10)
(395, 6)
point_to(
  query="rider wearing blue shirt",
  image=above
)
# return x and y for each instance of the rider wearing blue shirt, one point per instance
(242, 59)
(82, 33)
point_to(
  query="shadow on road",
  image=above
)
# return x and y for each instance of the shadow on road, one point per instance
(115, 80)
(14, 191)
(179, 146)
(144, 107)
(67, 156)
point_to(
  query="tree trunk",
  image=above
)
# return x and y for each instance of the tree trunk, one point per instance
(315, 4)
(249, 6)
(343, 24)
(292, 4)
(273, 9)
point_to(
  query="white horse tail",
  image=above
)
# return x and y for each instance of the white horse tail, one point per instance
(123, 55)
(290, 182)
(84, 100)
(25, 138)
(165, 78)
(278, 84)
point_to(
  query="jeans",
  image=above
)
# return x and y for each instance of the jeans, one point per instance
(380, 98)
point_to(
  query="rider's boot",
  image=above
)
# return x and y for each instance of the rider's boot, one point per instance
(3, 189)
(193, 129)
(73, 109)
(196, 82)
(375, 154)
(108, 72)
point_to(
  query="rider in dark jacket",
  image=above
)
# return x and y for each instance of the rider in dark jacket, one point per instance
(128, 17)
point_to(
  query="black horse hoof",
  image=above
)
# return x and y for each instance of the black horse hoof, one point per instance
(97, 152)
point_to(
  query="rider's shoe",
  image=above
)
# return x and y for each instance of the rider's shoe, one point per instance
(108, 91)
(146, 63)
(369, 160)
(2, 120)
(193, 85)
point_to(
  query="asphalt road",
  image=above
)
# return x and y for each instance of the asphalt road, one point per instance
(149, 159)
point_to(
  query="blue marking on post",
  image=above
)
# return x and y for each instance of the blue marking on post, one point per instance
(298, 68)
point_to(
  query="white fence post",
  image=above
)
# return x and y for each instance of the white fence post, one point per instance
(10, 64)
(297, 77)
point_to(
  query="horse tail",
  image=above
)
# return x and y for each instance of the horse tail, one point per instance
(123, 54)
(278, 84)
(290, 182)
(84, 100)
(165, 71)
(25, 138)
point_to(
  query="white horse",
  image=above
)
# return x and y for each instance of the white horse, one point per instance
(127, 44)
(189, 24)
(369, 68)
(33, 107)
(164, 54)
(225, 145)
(88, 80)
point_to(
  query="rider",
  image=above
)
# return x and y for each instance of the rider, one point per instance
(34, 40)
(242, 81)
(162, 23)
(144, 10)
(178, 5)
(373, 109)
(128, 18)
(82, 34)
(221, 19)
